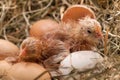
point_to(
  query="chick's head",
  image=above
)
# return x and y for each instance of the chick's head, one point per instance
(91, 29)
(86, 34)
(29, 49)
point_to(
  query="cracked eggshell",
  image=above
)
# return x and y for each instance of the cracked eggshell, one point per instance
(41, 27)
(7, 49)
(77, 12)
(81, 61)
(4, 67)
(27, 71)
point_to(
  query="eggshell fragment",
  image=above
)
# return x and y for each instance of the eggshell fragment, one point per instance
(4, 67)
(27, 71)
(7, 49)
(41, 27)
(76, 12)
(81, 61)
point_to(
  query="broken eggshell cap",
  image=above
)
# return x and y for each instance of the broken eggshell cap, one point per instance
(77, 12)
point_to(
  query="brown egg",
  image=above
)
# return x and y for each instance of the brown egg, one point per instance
(27, 71)
(4, 67)
(41, 27)
(76, 12)
(7, 49)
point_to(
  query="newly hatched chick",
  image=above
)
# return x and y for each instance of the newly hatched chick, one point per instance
(38, 50)
(84, 34)
(79, 21)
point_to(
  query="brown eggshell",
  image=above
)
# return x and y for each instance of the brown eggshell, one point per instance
(39, 28)
(77, 12)
(7, 49)
(27, 71)
(4, 67)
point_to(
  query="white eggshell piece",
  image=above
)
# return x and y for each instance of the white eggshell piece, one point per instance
(81, 60)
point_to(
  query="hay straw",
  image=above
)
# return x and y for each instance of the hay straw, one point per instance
(105, 42)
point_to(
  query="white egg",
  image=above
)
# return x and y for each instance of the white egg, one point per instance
(81, 61)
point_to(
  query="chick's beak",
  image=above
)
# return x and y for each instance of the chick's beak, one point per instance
(23, 52)
(98, 33)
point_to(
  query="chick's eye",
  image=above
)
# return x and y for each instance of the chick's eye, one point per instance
(89, 31)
